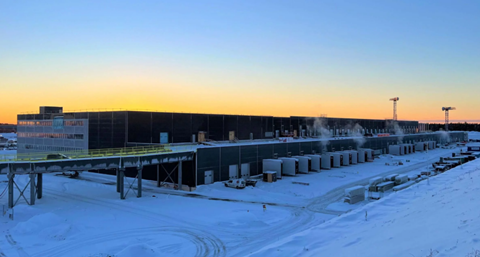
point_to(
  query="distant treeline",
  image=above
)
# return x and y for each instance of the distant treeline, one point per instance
(455, 126)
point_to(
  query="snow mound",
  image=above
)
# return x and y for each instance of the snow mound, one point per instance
(36, 223)
(438, 217)
(138, 250)
(46, 225)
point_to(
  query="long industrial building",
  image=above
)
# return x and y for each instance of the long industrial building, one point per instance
(53, 130)
(222, 144)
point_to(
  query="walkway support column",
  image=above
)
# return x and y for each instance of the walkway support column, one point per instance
(121, 180)
(11, 176)
(180, 167)
(118, 180)
(39, 185)
(32, 188)
(139, 180)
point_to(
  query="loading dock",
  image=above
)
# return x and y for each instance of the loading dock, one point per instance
(334, 159)
(394, 149)
(327, 161)
(290, 166)
(316, 161)
(304, 164)
(421, 146)
(273, 165)
(345, 158)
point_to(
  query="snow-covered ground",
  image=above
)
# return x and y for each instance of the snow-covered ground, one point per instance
(474, 135)
(9, 135)
(436, 217)
(85, 217)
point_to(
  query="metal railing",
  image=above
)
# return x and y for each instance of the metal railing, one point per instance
(94, 153)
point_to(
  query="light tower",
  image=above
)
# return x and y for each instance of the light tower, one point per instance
(446, 109)
(395, 99)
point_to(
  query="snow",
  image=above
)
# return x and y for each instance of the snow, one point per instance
(439, 216)
(9, 135)
(85, 217)
(474, 135)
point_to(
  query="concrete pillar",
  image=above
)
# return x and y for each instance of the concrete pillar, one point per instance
(180, 168)
(121, 181)
(11, 177)
(39, 185)
(139, 180)
(32, 188)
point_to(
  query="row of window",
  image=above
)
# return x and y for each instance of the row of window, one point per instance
(49, 148)
(49, 123)
(50, 135)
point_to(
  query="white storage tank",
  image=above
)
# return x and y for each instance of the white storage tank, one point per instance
(304, 164)
(290, 166)
(315, 161)
(273, 165)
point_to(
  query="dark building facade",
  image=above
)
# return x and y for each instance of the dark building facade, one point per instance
(113, 129)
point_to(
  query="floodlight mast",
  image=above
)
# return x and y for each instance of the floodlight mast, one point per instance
(395, 99)
(446, 109)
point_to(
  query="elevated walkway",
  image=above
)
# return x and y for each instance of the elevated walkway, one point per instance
(36, 164)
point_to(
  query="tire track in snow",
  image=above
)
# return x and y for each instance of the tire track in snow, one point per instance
(212, 243)
(14, 244)
(203, 242)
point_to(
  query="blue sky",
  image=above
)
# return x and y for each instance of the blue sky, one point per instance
(335, 55)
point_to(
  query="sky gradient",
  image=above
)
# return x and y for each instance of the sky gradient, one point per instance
(280, 58)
